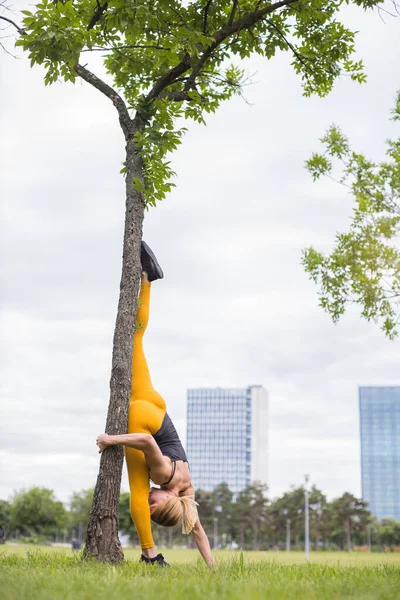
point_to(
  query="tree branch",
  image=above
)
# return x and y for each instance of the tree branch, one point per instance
(19, 29)
(170, 77)
(97, 15)
(7, 51)
(248, 20)
(290, 45)
(179, 96)
(124, 118)
(140, 47)
(186, 24)
(244, 22)
(206, 9)
(233, 12)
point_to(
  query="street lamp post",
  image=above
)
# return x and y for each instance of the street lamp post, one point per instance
(306, 523)
(369, 537)
(287, 535)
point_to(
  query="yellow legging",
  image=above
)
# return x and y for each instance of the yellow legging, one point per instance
(146, 414)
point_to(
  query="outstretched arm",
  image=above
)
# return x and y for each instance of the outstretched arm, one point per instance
(139, 441)
(199, 535)
(202, 543)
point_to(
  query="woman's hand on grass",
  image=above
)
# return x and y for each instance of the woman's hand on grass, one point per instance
(103, 441)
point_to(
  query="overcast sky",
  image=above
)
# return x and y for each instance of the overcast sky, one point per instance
(235, 307)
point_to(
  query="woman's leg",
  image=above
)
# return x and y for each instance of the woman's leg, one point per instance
(146, 414)
(142, 387)
(144, 417)
(139, 485)
(140, 371)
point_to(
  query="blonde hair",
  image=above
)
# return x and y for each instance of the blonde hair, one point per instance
(176, 509)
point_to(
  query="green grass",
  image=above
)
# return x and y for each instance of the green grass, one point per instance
(27, 573)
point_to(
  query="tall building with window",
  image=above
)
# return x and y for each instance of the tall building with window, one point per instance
(380, 449)
(227, 436)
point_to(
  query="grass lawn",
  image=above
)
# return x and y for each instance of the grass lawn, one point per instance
(30, 573)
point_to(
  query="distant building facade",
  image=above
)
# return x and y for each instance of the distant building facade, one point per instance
(380, 449)
(227, 436)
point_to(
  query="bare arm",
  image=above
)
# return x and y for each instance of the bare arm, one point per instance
(202, 543)
(139, 441)
(199, 535)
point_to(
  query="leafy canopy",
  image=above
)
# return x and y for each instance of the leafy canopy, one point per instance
(170, 59)
(80, 503)
(364, 267)
(37, 511)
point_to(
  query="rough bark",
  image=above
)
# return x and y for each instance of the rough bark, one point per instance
(102, 540)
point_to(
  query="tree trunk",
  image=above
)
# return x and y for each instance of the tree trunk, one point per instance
(102, 540)
(348, 539)
(242, 540)
(256, 531)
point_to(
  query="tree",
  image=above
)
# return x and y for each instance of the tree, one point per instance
(125, 520)
(389, 532)
(349, 514)
(334, 521)
(289, 506)
(364, 266)
(251, 505)
(79, 511)
(221, 499)
(318, 513)
(4, 520)
(205, 509)
(166, 60)
(36, 511)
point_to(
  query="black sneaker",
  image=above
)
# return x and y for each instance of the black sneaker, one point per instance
(149, 263)
(157, 560)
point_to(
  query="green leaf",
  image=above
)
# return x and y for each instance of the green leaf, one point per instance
(363, 268)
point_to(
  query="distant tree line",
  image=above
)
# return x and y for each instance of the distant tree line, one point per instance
(249, 520)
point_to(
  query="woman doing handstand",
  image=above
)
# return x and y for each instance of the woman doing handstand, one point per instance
(153, 449)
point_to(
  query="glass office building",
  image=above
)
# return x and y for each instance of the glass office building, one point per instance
(227, 436)
(380, 449)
